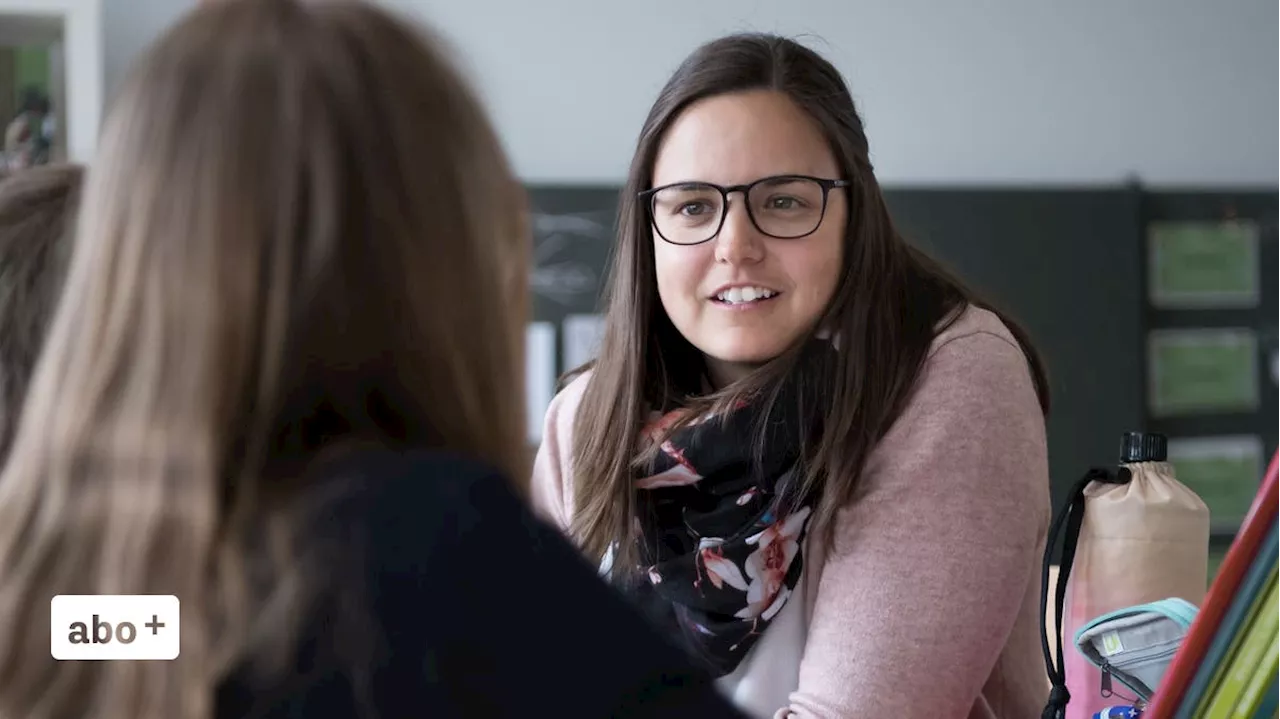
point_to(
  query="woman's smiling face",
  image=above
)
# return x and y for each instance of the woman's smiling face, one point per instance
(743, 297)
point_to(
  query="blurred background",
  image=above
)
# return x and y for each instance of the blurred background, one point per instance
(1105, 170)
(32, 90)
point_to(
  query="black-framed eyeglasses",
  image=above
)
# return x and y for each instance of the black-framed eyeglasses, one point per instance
(785, 207)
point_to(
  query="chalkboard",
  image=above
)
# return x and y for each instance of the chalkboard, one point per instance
(573, 236)
(1064, 263)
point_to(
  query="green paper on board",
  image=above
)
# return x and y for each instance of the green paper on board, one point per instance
(1223, 471)
(1203, 265)
(1202, 371)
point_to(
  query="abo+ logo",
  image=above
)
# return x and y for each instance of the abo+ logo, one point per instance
(114, 627)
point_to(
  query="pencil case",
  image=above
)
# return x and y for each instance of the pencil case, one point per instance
(1136, 645)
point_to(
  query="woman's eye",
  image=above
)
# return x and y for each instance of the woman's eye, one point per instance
(782, 202)
(692, 209)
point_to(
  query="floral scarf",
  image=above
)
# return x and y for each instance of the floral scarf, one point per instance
(722, 524)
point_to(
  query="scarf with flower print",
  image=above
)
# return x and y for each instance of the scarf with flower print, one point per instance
(722, 524)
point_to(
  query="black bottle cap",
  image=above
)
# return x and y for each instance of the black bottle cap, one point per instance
(1143, 447)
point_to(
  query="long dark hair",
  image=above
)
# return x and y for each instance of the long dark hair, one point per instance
(891, 302)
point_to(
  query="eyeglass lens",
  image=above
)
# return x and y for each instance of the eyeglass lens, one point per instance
(691, 213)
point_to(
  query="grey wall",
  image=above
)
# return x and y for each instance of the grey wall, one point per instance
(985, 91)
(128, 26)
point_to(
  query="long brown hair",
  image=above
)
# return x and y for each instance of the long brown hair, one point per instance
(299, 233)
(889, 305)
(37, 216)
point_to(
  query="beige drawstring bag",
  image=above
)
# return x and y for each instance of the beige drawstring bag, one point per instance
(1130, 536)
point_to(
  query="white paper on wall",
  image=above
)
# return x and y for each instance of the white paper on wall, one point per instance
(582, 335)
(540, 375)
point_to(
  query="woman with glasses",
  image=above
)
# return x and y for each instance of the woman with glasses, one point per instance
(812, 454)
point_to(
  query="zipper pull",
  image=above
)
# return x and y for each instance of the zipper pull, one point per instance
(1106, 681)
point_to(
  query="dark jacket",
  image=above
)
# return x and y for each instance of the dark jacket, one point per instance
(445, 597)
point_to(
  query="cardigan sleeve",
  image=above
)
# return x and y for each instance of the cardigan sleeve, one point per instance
(931, 561)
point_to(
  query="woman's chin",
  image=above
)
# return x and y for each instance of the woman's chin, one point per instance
(727, 367)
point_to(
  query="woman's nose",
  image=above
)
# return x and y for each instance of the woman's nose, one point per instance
(739, 242)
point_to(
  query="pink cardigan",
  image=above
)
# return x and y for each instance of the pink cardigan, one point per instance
(928, 605)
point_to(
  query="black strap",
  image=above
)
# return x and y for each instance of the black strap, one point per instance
(1069, 520)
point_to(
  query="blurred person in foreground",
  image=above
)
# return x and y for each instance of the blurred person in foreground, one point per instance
(283, 384)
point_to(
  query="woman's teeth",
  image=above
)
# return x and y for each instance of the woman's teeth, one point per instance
(739, 295)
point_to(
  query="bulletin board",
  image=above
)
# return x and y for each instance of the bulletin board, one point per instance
(1210, 308)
